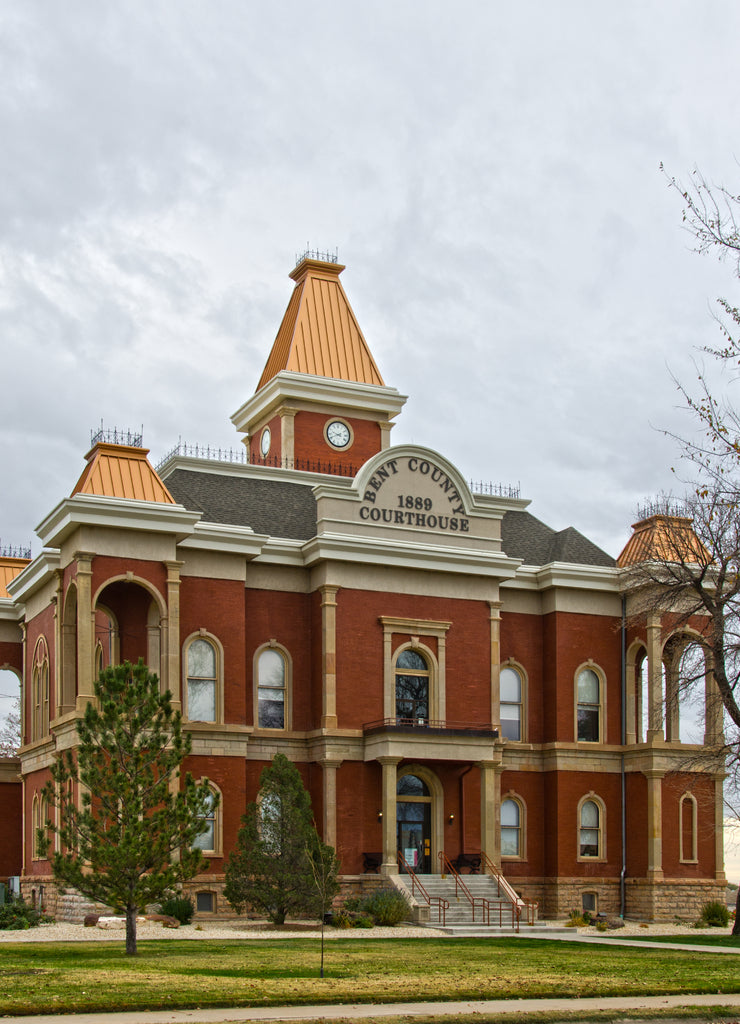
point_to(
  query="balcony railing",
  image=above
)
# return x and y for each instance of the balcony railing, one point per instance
(429, 725)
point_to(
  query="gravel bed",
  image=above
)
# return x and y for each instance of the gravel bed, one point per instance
(64, 932)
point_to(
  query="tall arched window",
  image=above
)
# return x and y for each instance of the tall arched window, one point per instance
(39, 815)
(272, 689)
(412, 687)
(511, 691)
(687, 825)
(40, 691)
(209, 841)
(202, 673)
(588, 713)
(591, 830)
(512, 833)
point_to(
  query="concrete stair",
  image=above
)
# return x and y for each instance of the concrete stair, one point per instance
(459, 916)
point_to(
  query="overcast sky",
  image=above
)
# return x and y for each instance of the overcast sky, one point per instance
(489, 173)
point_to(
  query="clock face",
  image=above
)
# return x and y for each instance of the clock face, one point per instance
(338, 434)
(265, 441)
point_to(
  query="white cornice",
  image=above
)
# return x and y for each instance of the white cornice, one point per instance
(283, 551)
(236, 540)
(10, 611)
(36, 574)
(334, 394)
(117, 514)
(565, 574)
(439, 558)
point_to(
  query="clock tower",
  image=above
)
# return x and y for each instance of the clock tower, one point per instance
(321, 404)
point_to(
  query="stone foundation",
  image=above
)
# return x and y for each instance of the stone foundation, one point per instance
(672, 898)
(68, 905)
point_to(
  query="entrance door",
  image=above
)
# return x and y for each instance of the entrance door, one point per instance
(413, 823)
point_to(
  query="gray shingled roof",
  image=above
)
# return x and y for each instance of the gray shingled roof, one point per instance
(274, 507)
(527, 538)
(282, 509)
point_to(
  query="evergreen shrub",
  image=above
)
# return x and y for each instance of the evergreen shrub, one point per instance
(180, 907)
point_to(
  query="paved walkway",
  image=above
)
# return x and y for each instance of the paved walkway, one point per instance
(358, 1011)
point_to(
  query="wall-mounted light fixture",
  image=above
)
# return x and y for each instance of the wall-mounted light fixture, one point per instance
(451, 818)
(380, 815)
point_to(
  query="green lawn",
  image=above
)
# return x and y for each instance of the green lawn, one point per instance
(96, 976)
(700, 938)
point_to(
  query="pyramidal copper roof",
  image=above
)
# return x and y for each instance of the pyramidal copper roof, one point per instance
(319, 334)
(664, 538)
(121, 471)
(9, 569)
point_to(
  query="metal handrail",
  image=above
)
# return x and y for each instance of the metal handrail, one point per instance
(442, 904)
(517, 902)
(447, 867)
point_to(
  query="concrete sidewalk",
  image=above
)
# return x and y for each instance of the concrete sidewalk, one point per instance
(359, 1011)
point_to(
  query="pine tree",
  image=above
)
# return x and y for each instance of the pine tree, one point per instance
(273, 866)
(125, 838)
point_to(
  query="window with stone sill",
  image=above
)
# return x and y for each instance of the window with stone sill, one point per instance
(273, 687)
(511, 702)
(203, 678)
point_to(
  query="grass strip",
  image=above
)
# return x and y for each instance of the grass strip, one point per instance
(95, 977)
(701, 938)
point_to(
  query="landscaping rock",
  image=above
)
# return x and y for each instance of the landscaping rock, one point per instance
(167, 921)
(90, 920)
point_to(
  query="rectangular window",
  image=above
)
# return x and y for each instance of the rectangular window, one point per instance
(204, 902)
(202, 700)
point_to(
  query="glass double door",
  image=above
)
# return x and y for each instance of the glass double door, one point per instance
(414, 834)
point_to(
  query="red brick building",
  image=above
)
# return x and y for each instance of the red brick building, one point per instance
(451, 676)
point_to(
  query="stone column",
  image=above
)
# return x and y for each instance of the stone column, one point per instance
(330, 801)
(85, 631)
(329, 656)
(494, 612)
(490, 802)
(171, 642)
(655, 823)
(385, 433)
(655, 679)
(287, 437)
(390, 851)
(713, 709)
(58, 600)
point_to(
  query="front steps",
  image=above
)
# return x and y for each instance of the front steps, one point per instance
(459, 917)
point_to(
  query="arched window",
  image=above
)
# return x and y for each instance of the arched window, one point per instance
(591, 830)
(512, 703)
(412, 688)
(687, 826)
(271, 822)
(512, 830)
(38, 821)
(209, 841)
(588, 709)
(203, 676)
(40, 691)
(272, 689)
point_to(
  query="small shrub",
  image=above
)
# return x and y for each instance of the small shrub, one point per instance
(576, 920)
(715, 914)
(341, 919)
(387, 907)
(180, 907)
(16, 915)
(362, 921)
(601, 926)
